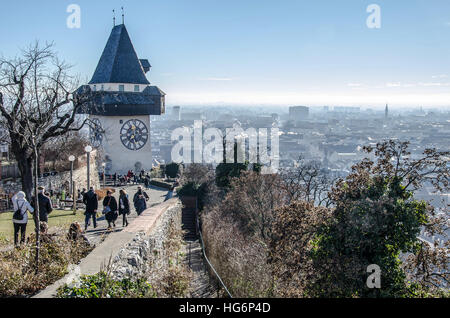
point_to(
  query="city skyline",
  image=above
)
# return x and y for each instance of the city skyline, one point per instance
(289, 53)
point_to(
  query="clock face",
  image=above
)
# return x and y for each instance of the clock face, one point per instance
(96, 133)
(134, 134)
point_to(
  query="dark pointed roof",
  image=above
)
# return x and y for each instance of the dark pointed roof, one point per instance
(119, 62)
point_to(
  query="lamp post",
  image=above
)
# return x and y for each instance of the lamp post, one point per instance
(88, 149)
(103, 165)
(71, 159)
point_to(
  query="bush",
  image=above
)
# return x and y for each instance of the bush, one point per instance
(101, 285)
(226, 171)
(17, 267)
(189, 189)
(156, 173)
(237, 232)
(172, 170)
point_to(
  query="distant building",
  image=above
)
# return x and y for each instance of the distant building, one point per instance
(386, 112)
(176, 111)
(297, 113)
(192, 116)
(347, 109)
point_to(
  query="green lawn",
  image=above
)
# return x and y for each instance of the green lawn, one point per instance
(58, 218)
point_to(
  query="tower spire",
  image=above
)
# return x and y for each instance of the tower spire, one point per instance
(114, 17)
(123, 17)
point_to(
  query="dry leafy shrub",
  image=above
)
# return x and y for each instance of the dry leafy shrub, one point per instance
(17, 268)
(240, 260)
(237, 231)
(172, 280)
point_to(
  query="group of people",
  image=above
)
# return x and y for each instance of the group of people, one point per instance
(130, 177)
(22, 206)
(111, 208)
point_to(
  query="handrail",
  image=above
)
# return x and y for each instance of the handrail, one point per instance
(204, 252)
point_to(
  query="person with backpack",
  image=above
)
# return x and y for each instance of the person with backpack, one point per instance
(124, 206)
(20, 216)
(110, 209)
(91, 201)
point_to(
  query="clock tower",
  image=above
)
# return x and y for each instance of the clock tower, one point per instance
(119, 101)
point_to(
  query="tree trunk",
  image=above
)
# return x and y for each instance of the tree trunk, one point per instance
(36, 209)
(26, 171)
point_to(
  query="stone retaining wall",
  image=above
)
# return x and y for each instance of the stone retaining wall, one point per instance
(146, 253)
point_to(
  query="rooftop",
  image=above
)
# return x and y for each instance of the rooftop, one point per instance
(119, 62)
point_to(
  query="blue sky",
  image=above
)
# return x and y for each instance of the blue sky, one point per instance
(258, 51)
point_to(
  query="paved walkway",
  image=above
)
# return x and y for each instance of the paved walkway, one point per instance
(96, 236)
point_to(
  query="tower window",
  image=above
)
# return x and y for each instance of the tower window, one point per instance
(103, 87)
(95, 88)
(136, 88)
(121, 88)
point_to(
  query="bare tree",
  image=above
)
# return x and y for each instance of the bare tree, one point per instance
(36, 105)
(307, 182)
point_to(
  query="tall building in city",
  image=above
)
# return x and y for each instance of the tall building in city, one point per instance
(176, 111)
(386, 112)
(297, 113)
(120, 103)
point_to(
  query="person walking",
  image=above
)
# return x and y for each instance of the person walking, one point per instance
(169, 194)
(20, 216)
(146, 182)
(140, 200)
(90, 199)
(124, 206)
(115, 179)
(45, 205)
(110, 209)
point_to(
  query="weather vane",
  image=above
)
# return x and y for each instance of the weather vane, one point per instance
(123, 17)
(114, 17)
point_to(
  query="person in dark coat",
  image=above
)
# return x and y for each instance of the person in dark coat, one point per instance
(124, 206)
(90, 199)
(45, 205)
(140, 201)
(110, 209)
